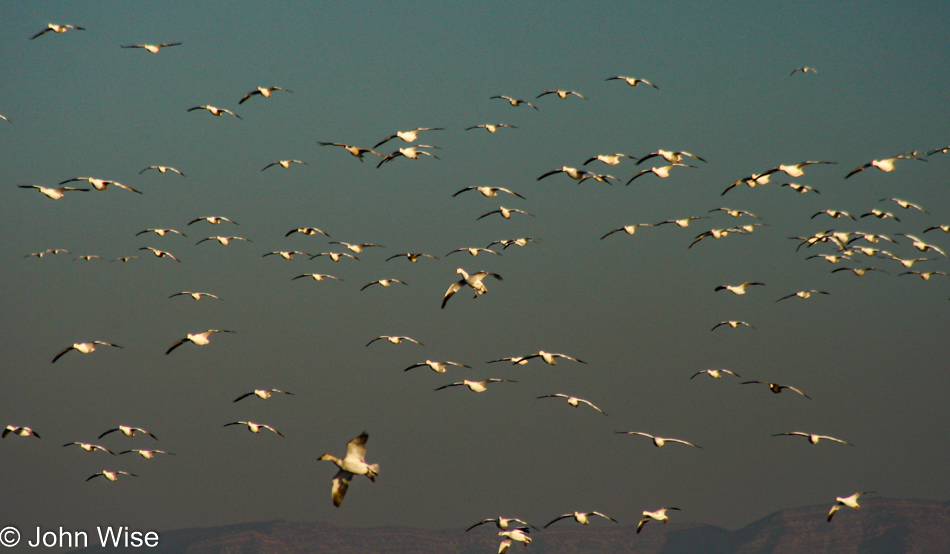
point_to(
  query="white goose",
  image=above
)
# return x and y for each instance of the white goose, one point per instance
(383, 283)
(411, 153)
(801, 189)
(562, 94)
(474, 281)
(311, 231)
(110, 475)
(354, 150)
(161, 232)
(491, 127)
(673, 157)
(88, 447)
(513, 101)
(57, 29)
(776, 388)
(412, 256)
(632, 81)
(200, 339)
(738, 289)
(83, 347)
(502, 522)
(659, 515)
(803, 294)
(354, 463)
(849, 501)
(218, 112)
(715, 373)
(812, 438)
(797, 170)
(254, 427)
(886, 165)
(489, 192)
(394, 340)
(51, 192)
(162, 169)
(519, 535)
(573, 401)
(128, 431)
(804, 69)
(408, 136)
(923, 246)
(629, 229)
(657, 441)
(100, 184)
(212, 219)
(224, 241)
(731, 323)
(580, 517)
(316, 276)
(265, 92)
(438, 367)
(550, 358)
(572, 172)
(286, 254)
(335, 256)
(474, 251)
(609, 159)
(358, 248)
(147, 454)
(284, 163)
(195, 295)
(475, 386)
(662, 172)
(505, 212)
(263, 394)
(20, 431)
(153, 48)
(903, 204)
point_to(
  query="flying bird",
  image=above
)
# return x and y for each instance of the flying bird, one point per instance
(161, 232)
(502, 522)
(306, 231)
(562, 94)
(802, 294)
(254, 427)
(438, 367)
(474, 251)
(354, 463)
(659, 515)
(474, 281)
(734, 213)
(408, 136)
(128, 431)
(383, 283)
(476, 386)
(88, 447)
(285, 254)
(903, 204)
(265, 92)
(57, 29)
(284, 163)
(738, 289)
(609, 159)
(662, 172)
(797, 170)
(263, 394)
(489, 192)
(572, 172)
(358, 248)
(153, 48)
(83, 347)
(160, 253)
(224, 241)
(354, 150)
(849, 501)
(491, 127)
(214, 111)
(412, 256)
(776, 388)
(629, 229)
(110, 475)
(395, 340)
(836, 214)
(804, 69)
(147, 454)
(812, 438)
(514, 101)
(715, 373)
(550, 358)
(162, 169)
(50, 192)
(673, 157)
(632, 81)
(19, 431)
(212, 219)
(885, 165)
(100, 184)
(923, 246)
(731, 323)
(657, 441)
(581, 517)
(573, 401)
(505, 212)
(200, 339)
(411, 153)
(802, 189)
(335, 256)
(195, 295)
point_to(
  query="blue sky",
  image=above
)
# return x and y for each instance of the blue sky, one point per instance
(637, 308)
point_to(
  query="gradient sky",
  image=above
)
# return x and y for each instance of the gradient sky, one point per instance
(872, 355)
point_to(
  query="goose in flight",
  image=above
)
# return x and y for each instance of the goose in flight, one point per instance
(265, 92)
(581, 517)
(657, 441)
(797, 170)
(738, 289)
(284, 163)
(153, 48)
(751, 181)
(162, 169)
(124, 259)
(354, 463)
(100, 184)
(505, 212)
(311, 231)
(903, 204)
(716, 234)
(802, 294)
(53, 251)
(886, 165)
(516, 360)
(263, 394)
(335, 256)
(214, 111)
(474, 281)
(411, 153)
(83, 347)
(801, 189)
(474, 251)
(147, 454)
(925, 275)
(849, 501)
(572, 172)
(476, 386)
(200, 339)
(881, 214)
(383, 283)
(549, 357)
(287, 255)
(408, 136)
(609, 159)
(673, 157)
(161, 232)
(859, 271)
(502, 522)
(519, 535)
(659, 515)
(354, 150)
(395, 340)
(923, 246)
(629, 229)
(224, 241)
(632, 81)
(490, 127)
(87, 257)
(573, 401)
(804, 69)
(776, 388)
(832, 258)
(254, 427)
(358, 248)
(836, 214)
(195, 295)
(715, 373)
(212, 219)
(19, 431)
(662, 172)
(731, 323)
(680, 222)
(88, 447)
(514, 101)
(812, 438)
(906, 262)
(523, 241)
(128, 431)
(110, 475)
(160, 253)
(734, 213)
(489, 192)
(562, 94)
(412, 256)
(51, 192)
(438, 367)
(57, 29)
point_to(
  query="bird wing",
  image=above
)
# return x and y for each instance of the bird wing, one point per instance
(243, 396)
(453, 288)
(604, 516)
(176, 345)
(558, 518)
(356, 448)
(340, 483)
(58, 356)
(834, 509)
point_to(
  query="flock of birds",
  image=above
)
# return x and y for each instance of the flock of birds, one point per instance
(854, 249)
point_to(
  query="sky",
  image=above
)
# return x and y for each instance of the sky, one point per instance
(871, 354)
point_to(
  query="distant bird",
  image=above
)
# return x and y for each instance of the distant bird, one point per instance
(673, 157)
(776, 388)
(505, 212)
(881, 214)
(903, 204)
(657, 441)
(734, 213)
(214, 111)
(100, 184)
(54, 193)
(629, 229)
(609, 159)
(489, 192)
(906, 262)
(923, 246)
(562, 94)
(474, 251)
(394, 340)
(162, 169)
(805, 69)
(519, 535)
(254, 427)
(802, 294)
(5, 118)
(632, 81)
(284, 163)
(383, 283)
(514, 101)
(523, 241)
(491, 127)
(153, 48)
(412, 256)
(715, 373)
(195, 295)
(199, 339)
(19, 431)
(573, 401)
(659, 515)
(87, 257)
(57, 29)
(265, 92)
(128, 431)
(53, 251)
(212, 219)
(925, 275)
(581, 517)
(812, 438)
(161, 232)
(797, 170)
(474, 281)
(751, 181)
(516, 360)
(224, 241)
(355, 150)
(550, 358)
(335, 256)
(306, 231)
(885, 165)
(263, 394)
(160, 253)
(572, 172)
(502, 522)
(354, 463)
(408, 136)
(411, 153)
(837, 214)
(662, 172)
(943, 150)
(110, 475)
(738, 289)
(358, 248)
(438, 367)
(802, 189)
(859, 271)
(147, 454)
(849, 501)
(731, 323)
(89, 447)
(476, 386)
(83, 347)
(680, 222)
(287, 255)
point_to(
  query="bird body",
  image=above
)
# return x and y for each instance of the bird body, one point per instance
(659, 515)
(581, 517)
(738, 289)
(658, 441)
(153, 48)
(265, 92)
(572, 400)
(54, 193)
(214, 111)
(354, 463)
(200, 339)
(849, 501)
(254, 427)
(474, 281)
(475, 386)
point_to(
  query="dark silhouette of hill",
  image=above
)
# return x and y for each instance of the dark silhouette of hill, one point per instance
(882, 525)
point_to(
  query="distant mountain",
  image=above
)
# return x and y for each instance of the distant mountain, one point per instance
(882, 525)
